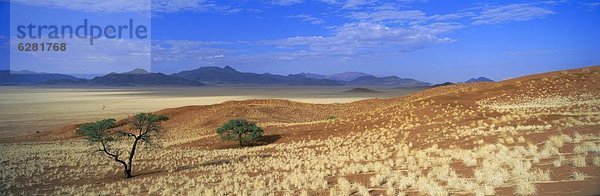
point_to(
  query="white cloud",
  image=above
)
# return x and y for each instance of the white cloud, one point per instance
(174, 50)
(379, 30)
(170, 6)
(389, 15)
(592, 5)
(451, 16)
(329, 1)
(134, 6)
(307, 18)
(287, 2)
(93, 5)
(392, 15)
(353, 38)
(351, 4)
(370, 28)
(177, 5)
(349, 41)
(510, 13)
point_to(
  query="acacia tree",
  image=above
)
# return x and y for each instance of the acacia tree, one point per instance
(144, 128)
(240, 130)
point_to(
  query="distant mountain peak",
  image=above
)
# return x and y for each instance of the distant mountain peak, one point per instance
(342, 77)
(387, 81)
(443, 84)
(25, 71)
(31, 77)
(228, 75)
(229, 68)
(137, 71)
(480, 79)
(359, 78)
(138, 78)
(347, 76)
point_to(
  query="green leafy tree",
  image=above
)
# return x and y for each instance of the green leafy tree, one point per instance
(240, 130)
(144, 128)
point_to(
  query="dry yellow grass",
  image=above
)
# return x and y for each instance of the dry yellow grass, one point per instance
(478, 139)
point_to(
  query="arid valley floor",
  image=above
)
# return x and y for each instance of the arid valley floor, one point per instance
(28, 109)
(538, 134)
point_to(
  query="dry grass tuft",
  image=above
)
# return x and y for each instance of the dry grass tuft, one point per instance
(525, 188)
(578, 161)
(579, 176)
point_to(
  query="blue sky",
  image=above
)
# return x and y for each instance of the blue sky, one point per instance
(433, 41)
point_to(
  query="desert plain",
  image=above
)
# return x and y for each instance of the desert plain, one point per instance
(536, 134)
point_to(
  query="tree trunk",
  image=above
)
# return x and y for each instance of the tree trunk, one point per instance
(130, 160)
(240, 139)
(126, 169)
(128, 173)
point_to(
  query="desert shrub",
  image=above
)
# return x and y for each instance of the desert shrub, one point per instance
(586, 147)
(579, 176)
(378, 180)
(540, 175)
(240, 130)
(557, 163)
(525, 188)
(362, 190)
(578, 161)
(331, 117)
(556, 140)
(596, 161)
(344, 187)
(144, 129)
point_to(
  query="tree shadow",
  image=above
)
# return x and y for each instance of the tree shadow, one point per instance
(148, 173)
(217, 162)
(265, 140)
(262, 141)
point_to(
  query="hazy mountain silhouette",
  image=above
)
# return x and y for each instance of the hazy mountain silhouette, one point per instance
(30, 77)
(207, 75)
(443, 84)
(359, 78)
(136, 78)
(228, 75)
(480, 79)
(343, 77)
(387, 81)
(137, 71)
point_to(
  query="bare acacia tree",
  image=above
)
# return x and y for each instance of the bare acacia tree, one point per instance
(144, 128)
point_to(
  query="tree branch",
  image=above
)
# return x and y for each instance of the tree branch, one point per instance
(125, 133)
(114, 155)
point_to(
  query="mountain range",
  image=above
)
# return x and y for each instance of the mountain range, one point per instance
(480, 79)
(344, 77)
(443, 84)
(211, 76)
(387, 81)
(228, 75)
(358, 78)
(30, 77)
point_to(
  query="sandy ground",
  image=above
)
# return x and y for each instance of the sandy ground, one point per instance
(28, 109)
(538, 134)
